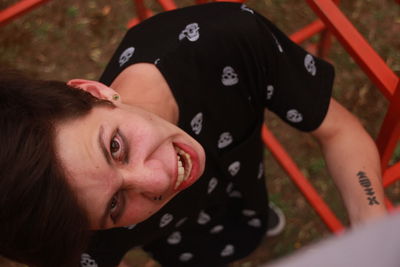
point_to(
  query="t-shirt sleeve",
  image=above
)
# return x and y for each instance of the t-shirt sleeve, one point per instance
(298, 85)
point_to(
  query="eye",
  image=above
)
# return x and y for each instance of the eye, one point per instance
(116, 148)
(114, 210)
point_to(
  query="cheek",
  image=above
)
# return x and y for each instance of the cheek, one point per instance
(139, 211)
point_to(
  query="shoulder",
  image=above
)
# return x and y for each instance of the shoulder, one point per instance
(221, 15)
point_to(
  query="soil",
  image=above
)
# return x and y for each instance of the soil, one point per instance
(67, 39)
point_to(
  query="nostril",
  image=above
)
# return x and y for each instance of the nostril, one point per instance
(157, 198)
(153, 197)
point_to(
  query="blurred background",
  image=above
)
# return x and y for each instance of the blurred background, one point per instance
(67, 39)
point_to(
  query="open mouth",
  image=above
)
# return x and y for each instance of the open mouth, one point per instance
(184, 166)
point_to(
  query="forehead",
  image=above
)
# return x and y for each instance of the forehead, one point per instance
(86, 170)
(76, 142)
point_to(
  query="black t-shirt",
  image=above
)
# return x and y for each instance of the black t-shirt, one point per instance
(224, 64)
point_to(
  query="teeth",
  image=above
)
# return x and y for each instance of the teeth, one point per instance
(183, 172)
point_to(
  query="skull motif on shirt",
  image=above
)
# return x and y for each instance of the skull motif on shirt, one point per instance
(212, 184)
(225, 139)
(197, 123)
(166, 219)
(191, 32)
(87, 261)
(126, 55)
(174, 238)
(234, 168)
(186, 256)
(294, 116)
(309, 63)
(228, 250)
(229, 76)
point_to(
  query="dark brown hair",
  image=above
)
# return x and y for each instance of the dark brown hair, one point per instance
(41, 222)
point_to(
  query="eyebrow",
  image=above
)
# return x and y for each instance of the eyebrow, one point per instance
(100, 139)
(102, 146)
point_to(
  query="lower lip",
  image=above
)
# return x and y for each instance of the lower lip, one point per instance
(194, 172)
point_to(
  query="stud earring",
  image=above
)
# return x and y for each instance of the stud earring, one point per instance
(115, 97)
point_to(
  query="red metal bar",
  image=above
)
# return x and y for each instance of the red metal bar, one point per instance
(389, 205)
(389, 134)
(324, 44)
(167, 4)
(235, 1)
(301, 181)
(141, 10)
(391, 175)
(356, 46)
(307, 32)
(142, 13)
(18, 9)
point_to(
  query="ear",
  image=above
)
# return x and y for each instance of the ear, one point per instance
(96, 89)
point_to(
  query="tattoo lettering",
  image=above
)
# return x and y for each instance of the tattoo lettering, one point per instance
(366, 183)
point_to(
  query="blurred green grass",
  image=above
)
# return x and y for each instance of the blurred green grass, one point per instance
(66, 39)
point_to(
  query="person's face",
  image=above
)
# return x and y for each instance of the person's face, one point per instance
(124, 163)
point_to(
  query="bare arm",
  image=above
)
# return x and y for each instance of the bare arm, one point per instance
(353, 162)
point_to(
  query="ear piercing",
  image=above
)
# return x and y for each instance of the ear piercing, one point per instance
(158, 198)
(115, 97)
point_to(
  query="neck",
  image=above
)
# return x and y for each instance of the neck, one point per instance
(142, 85)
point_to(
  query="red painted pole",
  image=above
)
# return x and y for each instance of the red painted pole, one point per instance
(18, 9)
(319, 205)
(372, 64)
(307, 32)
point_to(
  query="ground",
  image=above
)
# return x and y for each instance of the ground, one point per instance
(67, 39)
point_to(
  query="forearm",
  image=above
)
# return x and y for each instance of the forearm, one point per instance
(353, 162)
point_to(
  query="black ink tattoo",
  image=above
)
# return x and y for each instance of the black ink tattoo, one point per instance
(366, 183)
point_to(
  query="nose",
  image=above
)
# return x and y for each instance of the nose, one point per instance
(150, 180)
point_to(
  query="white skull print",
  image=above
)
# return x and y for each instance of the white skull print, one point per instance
(249, 213)
(217, 229)
(229, 188)
(126, 55)
(187, 256)
(174, 238)
(197, 123)
(294, 115)
(130, 227)
(277, 43)
(260, 170)
(229, 76)
(203, 218)
(228, 250)
(270, 91)
(235, 194)
(234, 168)
(191, 32)
(309, 63)
(212, 184)
(87, 261)
(166, 219)
(181, 222)
(255, 222)
(225, 139)
(245, 8)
